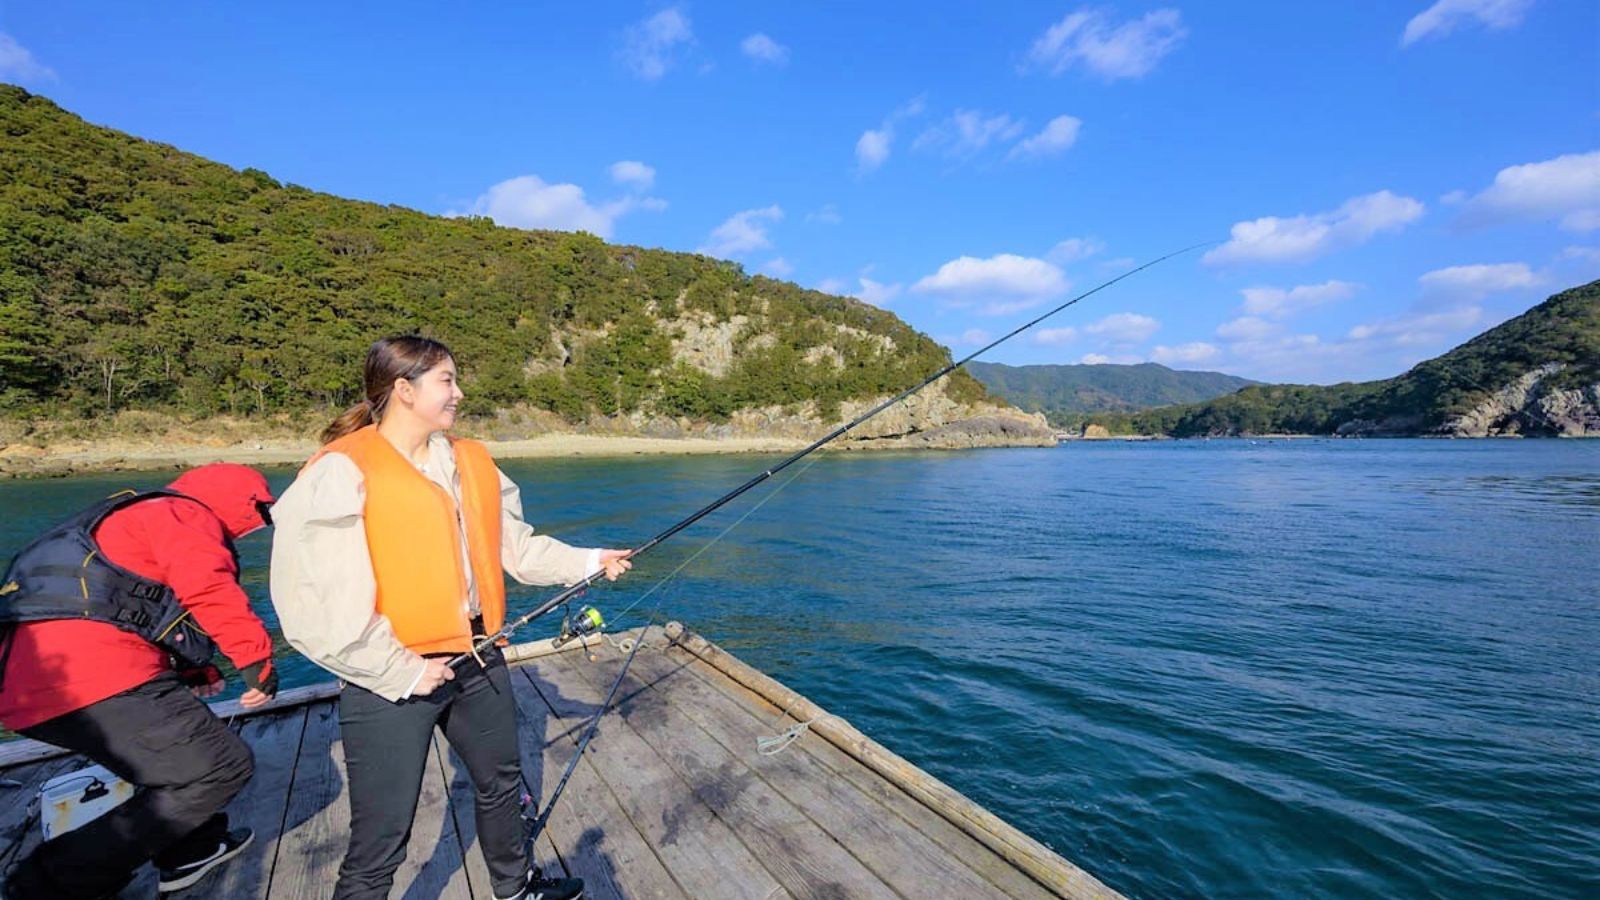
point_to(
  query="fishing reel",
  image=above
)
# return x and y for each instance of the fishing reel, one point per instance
(586, 621)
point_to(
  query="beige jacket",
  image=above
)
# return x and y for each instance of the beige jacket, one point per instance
(322, 582)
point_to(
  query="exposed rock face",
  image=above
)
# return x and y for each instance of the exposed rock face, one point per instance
(932, 419)
(705, 343)
(1575, 412)
(927, 420)
(1526, 406)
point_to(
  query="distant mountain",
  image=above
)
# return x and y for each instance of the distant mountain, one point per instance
(1065, 393)
(1537, 374)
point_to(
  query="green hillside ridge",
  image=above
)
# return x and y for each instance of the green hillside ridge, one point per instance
(135, 276)
(1536, 374)
(1067, 393)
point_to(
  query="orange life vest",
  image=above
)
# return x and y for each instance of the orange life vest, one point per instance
(415, 542)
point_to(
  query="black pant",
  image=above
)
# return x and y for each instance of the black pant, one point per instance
(186, 764)
(386, 748)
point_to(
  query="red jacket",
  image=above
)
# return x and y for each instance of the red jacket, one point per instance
(62, 665)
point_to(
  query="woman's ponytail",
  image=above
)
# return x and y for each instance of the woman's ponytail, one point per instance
(353, 419)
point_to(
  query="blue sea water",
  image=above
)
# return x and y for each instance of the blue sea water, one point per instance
(1195, 668)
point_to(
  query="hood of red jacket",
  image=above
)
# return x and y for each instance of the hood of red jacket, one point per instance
(229, 490)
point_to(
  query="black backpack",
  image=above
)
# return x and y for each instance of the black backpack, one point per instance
(63, 575)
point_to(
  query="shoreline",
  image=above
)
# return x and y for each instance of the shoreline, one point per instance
(95, 457)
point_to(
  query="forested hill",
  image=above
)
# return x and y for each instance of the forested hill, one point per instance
(1537, 374)
(1065, 393)
(134, 275)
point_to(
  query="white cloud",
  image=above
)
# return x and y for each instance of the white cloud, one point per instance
(1271, 239)
(972, 337)
(634, 174)
(649, 46)
(1247, 328)
(1588, 254)
(872, 148)
(1195, 352)
(1291, 357)
(1427, 329)
(528, 202)
(1087, 36)
(1073, 250)
(17, 64)
(967, 132)
(778, 266)
(742, 232)
(836, 286)
(827, 215)
(1567, 187)
(1123, 328)
(1279, 303)
(763, 49)
(1058, 135)
(1582, 220)
(1112, 359)
(1003, 283)
(1445, 16)
(877, 293)
(1478, 281)
(1055, 337)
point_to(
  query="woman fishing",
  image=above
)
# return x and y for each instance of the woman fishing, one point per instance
(386, 562)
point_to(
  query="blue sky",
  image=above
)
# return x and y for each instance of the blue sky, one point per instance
(1388, 179)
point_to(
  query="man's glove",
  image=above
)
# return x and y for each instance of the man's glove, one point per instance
(261, 676)
(200, 676)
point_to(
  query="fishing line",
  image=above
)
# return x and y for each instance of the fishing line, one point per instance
(542, 817)
(566, 595)
(713, 542)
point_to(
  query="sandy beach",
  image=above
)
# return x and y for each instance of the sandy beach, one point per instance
(127, 455)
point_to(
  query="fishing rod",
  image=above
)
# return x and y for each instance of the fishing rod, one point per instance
(588, 620)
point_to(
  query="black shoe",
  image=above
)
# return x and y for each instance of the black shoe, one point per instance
(180, 877)
(539, 887)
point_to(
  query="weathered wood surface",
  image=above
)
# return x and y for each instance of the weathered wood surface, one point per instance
(601, 844)
(1039, 861)
(702, 852)
(16, 752)
(671, 801)
(809, 774)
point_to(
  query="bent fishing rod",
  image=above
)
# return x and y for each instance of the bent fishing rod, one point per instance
(588, 620)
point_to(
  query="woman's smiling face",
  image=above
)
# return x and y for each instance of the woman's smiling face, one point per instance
(436, 395)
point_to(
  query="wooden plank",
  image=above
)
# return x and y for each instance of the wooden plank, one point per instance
(459, 784)
(895, 851)
(433, 865)
(19, 809)
(1039, 861)
(463, 800)
(275, 742)
(950, 840)
(804, 857)
(316, 827)
(24, 750)
(14, 752)
(590, 830)
(704, 855)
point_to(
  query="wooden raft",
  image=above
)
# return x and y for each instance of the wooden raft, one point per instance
(672, 801)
